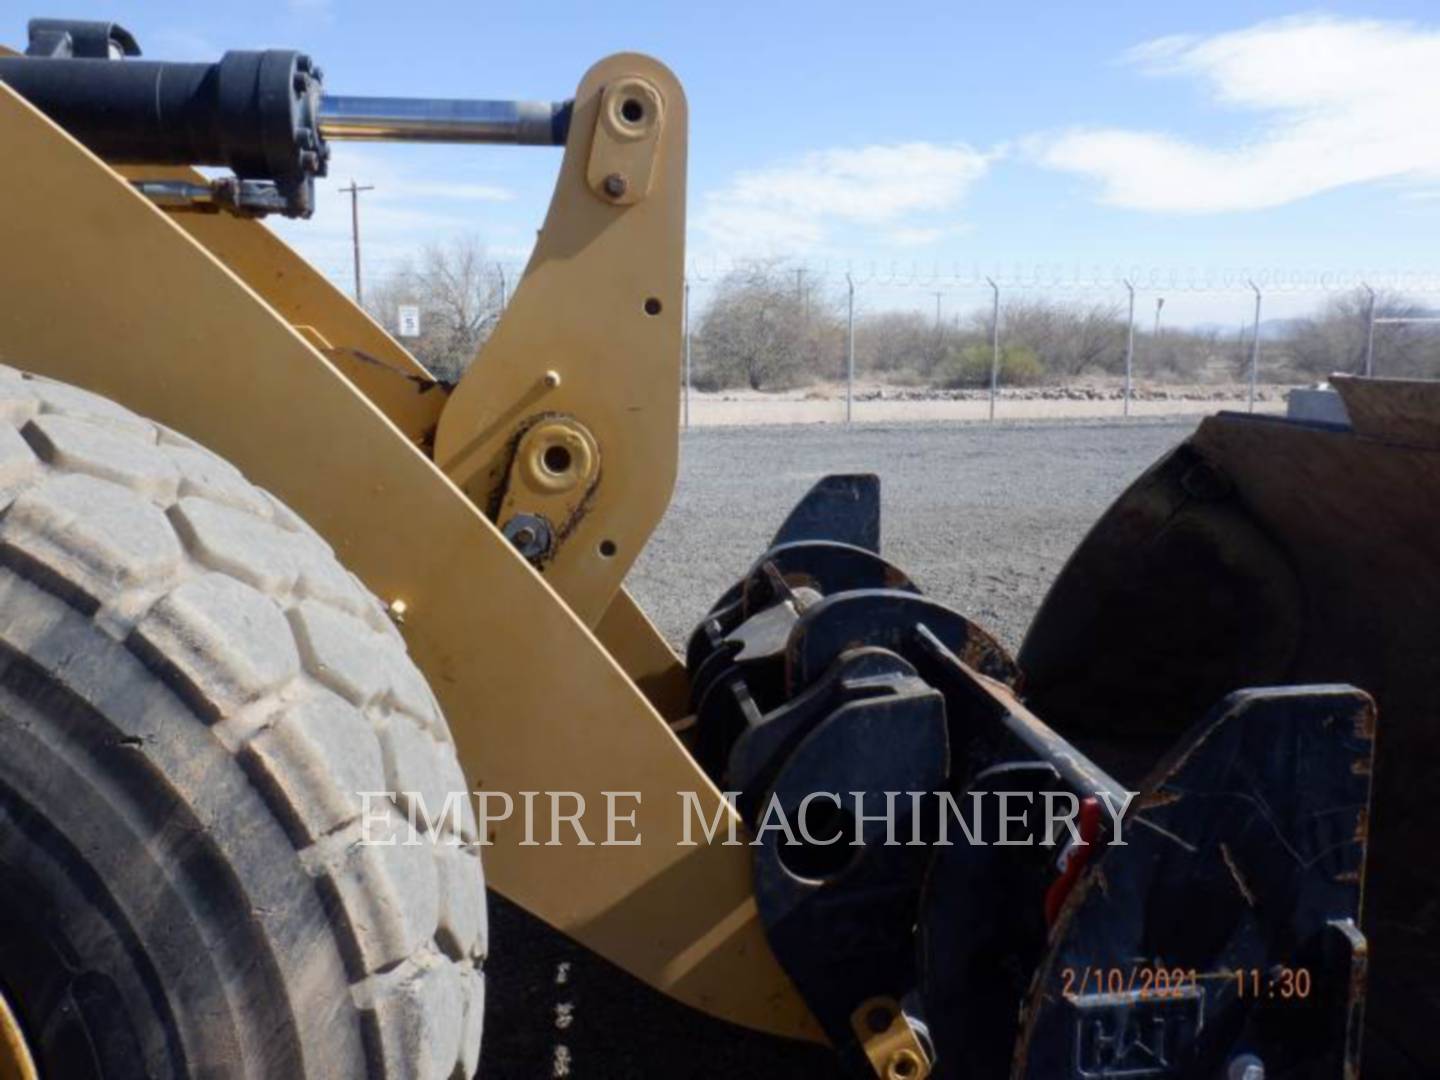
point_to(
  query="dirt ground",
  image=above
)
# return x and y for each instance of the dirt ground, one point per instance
(877, 404)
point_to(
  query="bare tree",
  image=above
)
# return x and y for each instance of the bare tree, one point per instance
(767, 326)
(1069, 339)
(1335, 339)
(458, 292)
(1179, 353)
(751, 332)
(903, 342)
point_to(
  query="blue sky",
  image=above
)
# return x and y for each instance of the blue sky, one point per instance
(1178, 135)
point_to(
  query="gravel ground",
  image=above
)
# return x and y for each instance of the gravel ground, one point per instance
(981, 518)
(889, 405)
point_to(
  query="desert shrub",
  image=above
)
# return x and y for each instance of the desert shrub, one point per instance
(969, 366)
(767, 330)
(896, 342)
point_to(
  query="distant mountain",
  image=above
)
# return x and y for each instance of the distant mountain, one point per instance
(1270, 329)
(1278, 329)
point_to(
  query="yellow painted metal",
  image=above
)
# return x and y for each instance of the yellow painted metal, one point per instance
(891, 1044)
(15, 1060)
(599, 305)
(554, 468)
(383, 370)
(105, 291)
(631, 638)
(379, 366)
(631, 118)
(372, 360)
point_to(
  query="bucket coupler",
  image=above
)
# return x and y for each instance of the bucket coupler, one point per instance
(958, 891)
(1223, 935)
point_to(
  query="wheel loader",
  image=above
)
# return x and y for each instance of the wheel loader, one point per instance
(295, 636)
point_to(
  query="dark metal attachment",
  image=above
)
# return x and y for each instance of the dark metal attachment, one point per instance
(64, 38)
(922, 837)
(1225, 928)
(261, 114)
(252, 112)
(531, 534)
(1267, 552)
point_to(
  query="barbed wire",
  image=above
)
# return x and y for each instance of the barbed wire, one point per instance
(706, 272)
(1060, 277)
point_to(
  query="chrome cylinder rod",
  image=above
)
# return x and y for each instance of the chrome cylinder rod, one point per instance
(442, 120)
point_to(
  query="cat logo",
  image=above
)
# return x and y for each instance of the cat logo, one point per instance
(1131, 1036)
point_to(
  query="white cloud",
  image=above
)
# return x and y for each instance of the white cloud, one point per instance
(798, 204)
(909, 236)
(1347, 101)
(430, 189)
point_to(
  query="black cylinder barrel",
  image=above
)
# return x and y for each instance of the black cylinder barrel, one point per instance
(252, 111)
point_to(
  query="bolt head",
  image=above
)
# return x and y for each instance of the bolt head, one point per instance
(616, 185)
(529, 533)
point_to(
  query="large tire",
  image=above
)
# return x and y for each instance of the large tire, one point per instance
(193, 694)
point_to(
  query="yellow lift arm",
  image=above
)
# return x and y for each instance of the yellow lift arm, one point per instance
(210, 325)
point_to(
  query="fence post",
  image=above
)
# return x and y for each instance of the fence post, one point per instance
(1369, 332)
(1255, 347)
(994, 345)
(686, 397)
(849, 346)
(1129, 347)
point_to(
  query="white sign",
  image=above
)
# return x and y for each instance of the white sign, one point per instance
(409, 320)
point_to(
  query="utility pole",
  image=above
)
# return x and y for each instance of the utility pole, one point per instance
(802, 297)
(1369, 331)
(1159, 303)
(937, 311)
(354, 190)
(686, 408)
(1130, 346)
(849, 346)
(994, 344)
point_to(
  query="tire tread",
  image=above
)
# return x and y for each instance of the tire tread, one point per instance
(244, 613)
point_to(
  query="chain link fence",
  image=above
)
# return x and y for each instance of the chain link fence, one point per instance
(1035, 342)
